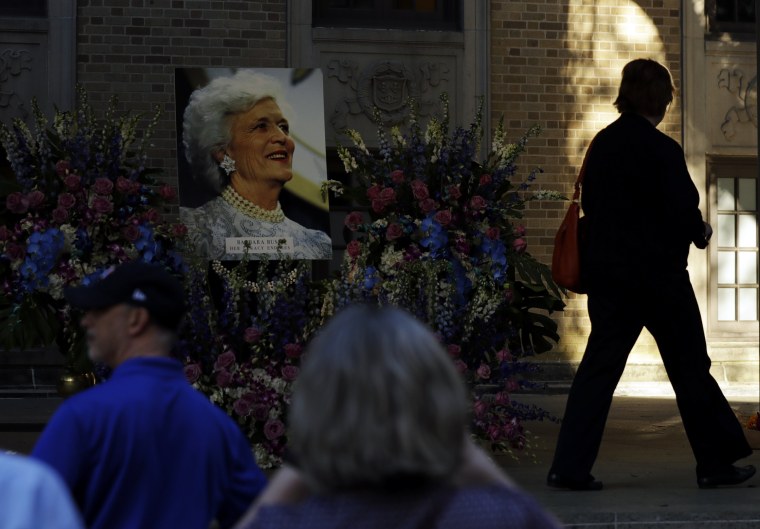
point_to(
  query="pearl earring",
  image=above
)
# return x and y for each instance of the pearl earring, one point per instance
(227, 164)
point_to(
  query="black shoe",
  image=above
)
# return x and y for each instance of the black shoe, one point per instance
(556, 481)
(726, 475)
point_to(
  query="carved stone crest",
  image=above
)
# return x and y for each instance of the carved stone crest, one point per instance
(386, 86)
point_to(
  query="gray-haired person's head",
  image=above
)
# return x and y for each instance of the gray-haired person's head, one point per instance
(207, 120)
(378, 400)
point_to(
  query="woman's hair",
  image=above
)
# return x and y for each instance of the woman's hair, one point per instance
(646, 88)
(377, 400)
(206, 127)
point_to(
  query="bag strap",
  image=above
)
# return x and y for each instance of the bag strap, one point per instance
(581, 173)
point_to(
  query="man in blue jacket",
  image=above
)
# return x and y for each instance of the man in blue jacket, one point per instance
(145, 449)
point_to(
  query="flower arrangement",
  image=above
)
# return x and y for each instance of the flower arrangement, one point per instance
(242, 342)
(81, 199)
(441, 237)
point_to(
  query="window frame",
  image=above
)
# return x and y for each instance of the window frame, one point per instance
(446, 17)
(716, 28)
(723, 166)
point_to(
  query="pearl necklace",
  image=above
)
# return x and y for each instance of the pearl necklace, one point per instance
(250, 209)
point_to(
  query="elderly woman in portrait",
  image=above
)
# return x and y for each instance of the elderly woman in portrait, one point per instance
(378, 434)
(237, 137)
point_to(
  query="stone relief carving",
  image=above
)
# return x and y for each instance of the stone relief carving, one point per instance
(12, 64)
(385, 87)
(734, 82)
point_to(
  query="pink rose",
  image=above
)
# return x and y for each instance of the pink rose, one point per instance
(103, 186)
(485, 179)
(354, 249)
(354, 220)
(460, 365)
(62, 168)
(378, 205)
(428, 205)
(477, 202)
(66, 200)
(503, 355)
(454, 350)
(241, 407)
(520, 230)
(484, 372)
(102, 205)
(17, 203)
(225, 359)
(492, 233)
(480, 408)
(292, 350)
(494, 432)
(72, 182)
(35, 198)
(388, 195)
(5, 233)
(419, 189)
(252, 334)
(290, 373)
(394, 231)
(273, 429)
(167, 192)
(454, 191)
(502, 398)
(519, 245)
(131, 232)
(59, 215)
(223, 378)
(179, 230)
(192, 372)
(397, 176)
(443, 217)
(124, 185)
(152, 215)
(373, 192)
(512, 385)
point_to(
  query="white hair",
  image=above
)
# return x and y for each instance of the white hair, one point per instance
(206, 127)
(378, 400)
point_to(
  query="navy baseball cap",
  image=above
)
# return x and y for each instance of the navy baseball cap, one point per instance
(135, 283)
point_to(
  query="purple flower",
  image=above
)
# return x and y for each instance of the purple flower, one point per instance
(192, 372)
(260, 412)
(252, 334)
(102, 186)
(274, 429)
(242, 407)
(290, 373)
(17, 203)
(223, 378)
(394, 231)
(226, 359)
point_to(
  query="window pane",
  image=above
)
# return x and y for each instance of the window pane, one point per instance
(726, 194)
(726, 304)
(725, 11)
(747, 304)
(747, 231)
(726, 230)
(726, 268)
(747, 267)
(746, 195)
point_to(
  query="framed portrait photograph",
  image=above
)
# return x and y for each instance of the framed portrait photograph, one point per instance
(251, 162)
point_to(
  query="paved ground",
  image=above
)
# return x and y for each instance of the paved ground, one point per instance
(645, 463)
(647, 468)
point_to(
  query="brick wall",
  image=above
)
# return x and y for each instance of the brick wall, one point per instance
(558, 64)
(130, 48)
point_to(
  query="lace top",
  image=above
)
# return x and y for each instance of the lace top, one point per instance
(215, 221)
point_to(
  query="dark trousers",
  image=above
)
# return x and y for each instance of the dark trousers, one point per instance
(669, 310)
